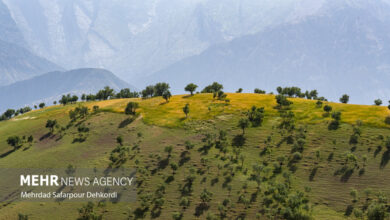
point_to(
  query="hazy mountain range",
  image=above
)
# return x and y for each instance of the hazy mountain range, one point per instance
(335, 46)
(51, 86)
(16, 62)
(133, 38)
(333, 53)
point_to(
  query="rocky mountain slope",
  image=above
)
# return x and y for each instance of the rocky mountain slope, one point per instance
(341, 51)
(51, 86)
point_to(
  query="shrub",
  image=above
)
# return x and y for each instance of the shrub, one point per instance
(376, 211)
(95, 108)
(387, 120)
(336, 116)
(327, 108)
(334, 125)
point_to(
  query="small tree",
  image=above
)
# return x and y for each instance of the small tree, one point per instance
(191, 88)
(87, 212)
(51, 124)
(83, 97)
(282, 101)
(168, 149)
(105, 93)
(14, 141)
(206, 196)
(9, 113)
(167, 95)
(119, 140)
(42, 105)
(177, 215)
(174, 167)
(95, 108)
(239, 90)
(131, 108)
(186, 109)
(243, 123)
(30, 139)
(377, 211)
(378, 102)
(344, 99)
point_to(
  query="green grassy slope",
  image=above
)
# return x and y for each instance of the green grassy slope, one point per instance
(163, 124)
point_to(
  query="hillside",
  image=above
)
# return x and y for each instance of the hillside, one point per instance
(229, 171)
(51, 86)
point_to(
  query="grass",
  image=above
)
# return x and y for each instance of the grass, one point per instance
(164, 124)
(157, 111)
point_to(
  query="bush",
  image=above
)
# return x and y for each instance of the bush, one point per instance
(376, 211)
(334, 125)
(296, 157)
(336, 116)
(327, 108)
(387, 120)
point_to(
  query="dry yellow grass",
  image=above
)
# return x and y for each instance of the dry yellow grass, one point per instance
(203, 107)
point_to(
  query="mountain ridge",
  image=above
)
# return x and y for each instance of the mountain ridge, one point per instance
(51, 86)
(334, 54)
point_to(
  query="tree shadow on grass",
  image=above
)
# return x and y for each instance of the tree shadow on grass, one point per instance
(238, 140)
(7, 153)
(200, 209)
(125, 122)
(385, 159)
(348, 210)
(184, 158)
(346, 175)
(47, 135)
(313, 173)
(377, 151)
